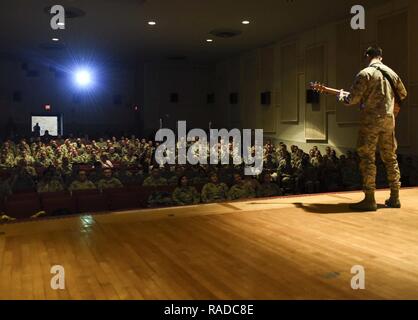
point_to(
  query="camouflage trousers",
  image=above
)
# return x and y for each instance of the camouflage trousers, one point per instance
(378, 132)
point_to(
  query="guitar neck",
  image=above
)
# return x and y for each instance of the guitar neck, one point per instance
(334, 91)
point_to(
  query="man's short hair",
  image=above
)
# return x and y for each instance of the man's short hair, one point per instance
(374, 52)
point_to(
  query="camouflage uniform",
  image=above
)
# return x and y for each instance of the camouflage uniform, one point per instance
(285, 172)
(214, 192)
(186, 196)
(79, 185)
(8, 159)
(268, 190)
(377, 123)
(111, 183)
(155, 182)
(53, 185)
(157, 199)
(241, 191)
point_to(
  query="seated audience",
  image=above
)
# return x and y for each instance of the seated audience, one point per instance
(155, 179)
(240, 190)
(82, 182)
(214, 191)
(50, 182)
(268, 188)
(108, 181)
(184, 194)
(22, 180)
(79, 163)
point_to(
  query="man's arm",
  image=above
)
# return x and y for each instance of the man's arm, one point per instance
(400, 87)
(358, 89)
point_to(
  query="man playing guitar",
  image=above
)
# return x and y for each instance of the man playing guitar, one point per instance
(380, 91)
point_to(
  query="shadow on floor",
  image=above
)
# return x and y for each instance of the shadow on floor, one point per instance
(330, 208)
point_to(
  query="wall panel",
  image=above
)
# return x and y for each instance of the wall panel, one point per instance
(393, 38)
(248, 90)
(289, 83)
(315, 120)
(349, 59)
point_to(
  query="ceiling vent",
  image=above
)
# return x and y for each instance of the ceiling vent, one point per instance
(225, 33)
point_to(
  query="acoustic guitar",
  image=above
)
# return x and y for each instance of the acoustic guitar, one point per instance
(342, 94)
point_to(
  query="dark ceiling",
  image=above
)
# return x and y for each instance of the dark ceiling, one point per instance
(118, 29)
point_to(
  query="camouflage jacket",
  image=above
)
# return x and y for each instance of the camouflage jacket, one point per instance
(78, 185)
(186, 196)
(153, 182)
(53, 185)
(109, 184)
(374, 92)
(214, 192)
(240, 191)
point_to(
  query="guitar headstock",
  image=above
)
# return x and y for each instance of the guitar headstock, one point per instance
(318, 87)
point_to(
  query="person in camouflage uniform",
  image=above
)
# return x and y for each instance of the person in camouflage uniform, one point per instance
(108, 181)
(374, 92)
(50, 182)
(184, 194)
(157, 198)
(240, 190)
(82, 183)
(113, 156)
(285, 172)
(7, 158)
(214, 191)
(268, 188)
(155, 179)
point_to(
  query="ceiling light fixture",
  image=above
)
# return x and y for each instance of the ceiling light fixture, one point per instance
(245, 22)
(152, 23)
(55, 39)
(209, 40)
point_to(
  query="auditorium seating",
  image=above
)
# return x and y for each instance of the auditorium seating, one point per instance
(25, 205)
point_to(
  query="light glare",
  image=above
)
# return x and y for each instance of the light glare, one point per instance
(83, 78)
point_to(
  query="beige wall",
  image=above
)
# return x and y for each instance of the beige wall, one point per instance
(332, 54)
(192, 82)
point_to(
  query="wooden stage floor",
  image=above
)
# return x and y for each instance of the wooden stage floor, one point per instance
(287, 248)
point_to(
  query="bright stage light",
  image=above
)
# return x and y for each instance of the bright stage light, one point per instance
(83, 78)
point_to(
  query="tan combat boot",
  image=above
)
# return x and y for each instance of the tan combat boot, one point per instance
(394, 201)
(368, 204)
